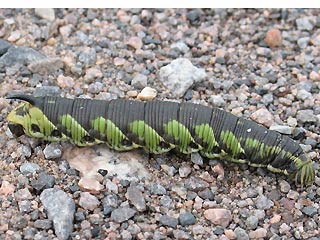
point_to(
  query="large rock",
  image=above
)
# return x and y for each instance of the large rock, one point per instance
(22, 55)
(179, 76)
(60, 209)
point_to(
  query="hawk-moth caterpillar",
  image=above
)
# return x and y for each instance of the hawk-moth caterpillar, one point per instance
(158, 127)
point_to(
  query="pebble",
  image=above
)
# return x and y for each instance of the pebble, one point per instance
(181, 46)
(310, 211)
(180, 75)
(88, 201)
(60, 209)
(303, 94)
(122, 214)
(135, 42)
(275, 219)
(44, 181)
(181, 235)
(284, 228)
(90, 184)
(166, 201)
(92, 74)
(217, 101)
(43, 224)
(52, 151)
(303, 42)
(282, 129)
(314, 76)
(252, 222)
(95, 87)
(45, 13)
(147, 94)
(218, 216)
(170, 170)
(263, 202)
(6, 188)
(196, 158)
(65, 82)
(23, 194)
(241, 233)
(273, 38)
(157, 188)
(260, 233)
(29, 168)
(305, 23)
(284, 186)
(135, 196)
(195, 184)
(230, 234)
(263, 116)
(186, 219)
(306, 116)
(166, 220)
(184, 171)
(139, 81)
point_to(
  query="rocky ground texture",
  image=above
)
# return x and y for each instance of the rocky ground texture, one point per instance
(263, 65)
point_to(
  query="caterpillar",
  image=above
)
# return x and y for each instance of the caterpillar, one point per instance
(158, 127)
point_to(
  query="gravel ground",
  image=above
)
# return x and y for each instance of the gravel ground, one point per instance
(260, 64)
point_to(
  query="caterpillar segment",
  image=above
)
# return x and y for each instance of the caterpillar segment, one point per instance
(158, 127)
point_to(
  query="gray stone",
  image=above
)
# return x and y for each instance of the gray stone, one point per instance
(241, 234)
(305, 23)
(186, 219)
(166, 220)
(282, 129)
(181, 46)
(166, 201)
(179, 76)
(303, 42)
(181, 235)
(196, 158)
(310, 211)
(139, 81)
(306, 115)
(88, 57)
(135, 196)
(95, 87)
(157, 188)
(206, 194)
(29, 167)
(43, 224)
(263, 202)
(184, 171)
(284, 186)
(4, 46)
(217, 101)
(52, 151)
(60, 209)
(21, 55)
(252, 222)
(303, 94)
(44, 181)
(122, 214)
(196, 184)
(265, 52)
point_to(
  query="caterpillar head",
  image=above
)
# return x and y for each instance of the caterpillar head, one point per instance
(28, 117)
(305, 173)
